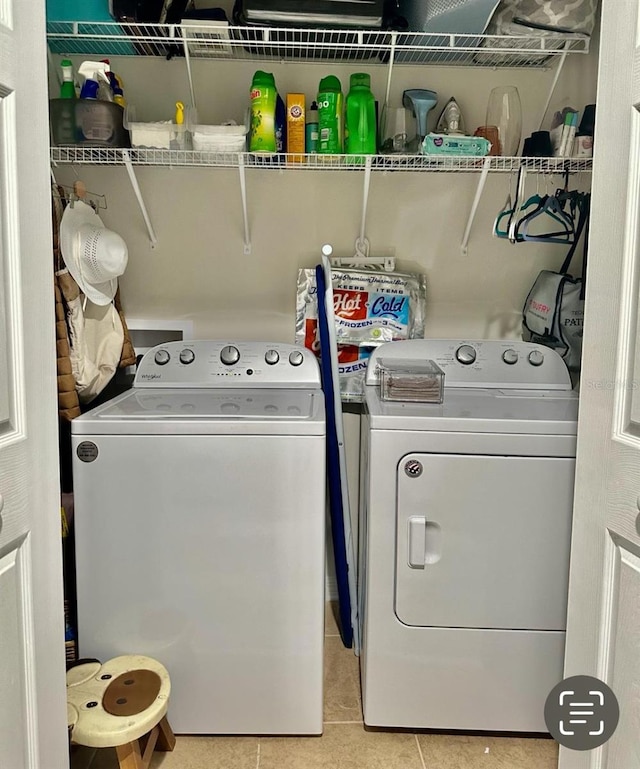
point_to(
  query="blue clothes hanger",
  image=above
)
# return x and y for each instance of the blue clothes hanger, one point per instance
(553, 207)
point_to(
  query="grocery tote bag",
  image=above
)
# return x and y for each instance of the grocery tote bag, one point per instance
(553, 312)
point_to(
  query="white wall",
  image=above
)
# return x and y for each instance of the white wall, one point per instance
(198, 270)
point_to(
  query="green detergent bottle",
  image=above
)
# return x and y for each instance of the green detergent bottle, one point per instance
(262, 137)
(330, 116)
(360, 120)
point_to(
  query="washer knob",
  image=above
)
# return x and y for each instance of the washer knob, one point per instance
(466, 354)
(510, 356)
(187, 356)
(271, 357)
(162, 357)
(536, 358)
(229, 355)
(296, 358)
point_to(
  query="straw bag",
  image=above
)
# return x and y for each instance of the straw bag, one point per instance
(553, 313)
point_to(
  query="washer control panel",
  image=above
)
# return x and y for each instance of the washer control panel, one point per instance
(483, 363)
(228, 364)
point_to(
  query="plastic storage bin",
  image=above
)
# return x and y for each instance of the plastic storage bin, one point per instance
(160, 135)
(87, 121)
(227, 137)
(219, 138)
(410, 380)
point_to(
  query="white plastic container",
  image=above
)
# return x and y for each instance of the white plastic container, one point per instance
(161, 135)
(219, 138)
(418, 381)
(227, 137)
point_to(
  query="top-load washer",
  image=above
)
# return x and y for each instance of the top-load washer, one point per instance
(466, 511)
(200, 532)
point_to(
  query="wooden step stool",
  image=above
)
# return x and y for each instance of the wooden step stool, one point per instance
(123, 705)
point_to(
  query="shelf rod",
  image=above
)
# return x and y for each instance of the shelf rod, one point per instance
(392, 54)
(556, 77)
(472, 214)
(185, 46)
(136, 188)
(243, 193)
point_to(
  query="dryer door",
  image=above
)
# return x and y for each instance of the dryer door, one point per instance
(483, 541)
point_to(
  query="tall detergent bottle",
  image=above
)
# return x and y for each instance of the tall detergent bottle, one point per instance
(360, 118)
(262, 136)
(330, 116)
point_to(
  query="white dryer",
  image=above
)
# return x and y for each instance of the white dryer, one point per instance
(200, 532)
(465, 536)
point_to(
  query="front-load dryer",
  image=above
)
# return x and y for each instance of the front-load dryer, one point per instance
(200, 532)
(465, 529)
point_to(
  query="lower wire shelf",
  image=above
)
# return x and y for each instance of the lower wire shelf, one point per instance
(82, 155)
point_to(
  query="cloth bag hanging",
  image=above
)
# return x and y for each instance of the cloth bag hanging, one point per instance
(531, 20)
(523, 17)
(96, 336)
(553, 313)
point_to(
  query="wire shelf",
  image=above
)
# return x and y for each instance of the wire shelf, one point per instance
(217, 40)
(300, 162)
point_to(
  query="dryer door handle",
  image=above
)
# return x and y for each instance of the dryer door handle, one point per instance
(425, 542)
(417, 541)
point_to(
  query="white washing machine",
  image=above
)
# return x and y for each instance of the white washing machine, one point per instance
(200, 532)
(465, 537)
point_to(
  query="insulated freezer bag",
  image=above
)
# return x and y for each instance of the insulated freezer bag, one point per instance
(370, 307)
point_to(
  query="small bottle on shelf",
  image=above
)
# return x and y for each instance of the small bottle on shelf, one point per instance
(311, 129)
(67, 87)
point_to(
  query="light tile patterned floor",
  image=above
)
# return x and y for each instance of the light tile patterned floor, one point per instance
(345, 743)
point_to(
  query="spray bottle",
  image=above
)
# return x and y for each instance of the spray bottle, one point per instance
(67, 87)
(96, 81)
(116, 85)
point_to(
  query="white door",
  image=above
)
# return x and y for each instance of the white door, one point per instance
(603, 638)
(32, 686)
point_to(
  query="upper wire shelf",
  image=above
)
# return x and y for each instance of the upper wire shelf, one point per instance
(190, 158)
(216, 40)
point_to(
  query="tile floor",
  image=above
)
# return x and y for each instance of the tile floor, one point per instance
(345, 743)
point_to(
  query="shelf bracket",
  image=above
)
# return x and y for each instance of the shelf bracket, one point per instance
(187, 59)
(392, 55)
(136, 188)
(474, 207)
(362, 244)
(243, 193)
(556, 77)
(365, 200)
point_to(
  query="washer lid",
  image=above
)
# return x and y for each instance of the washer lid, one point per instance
(537, 412)
(206, 412)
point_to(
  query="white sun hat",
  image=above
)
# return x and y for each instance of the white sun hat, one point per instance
(94, 255)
